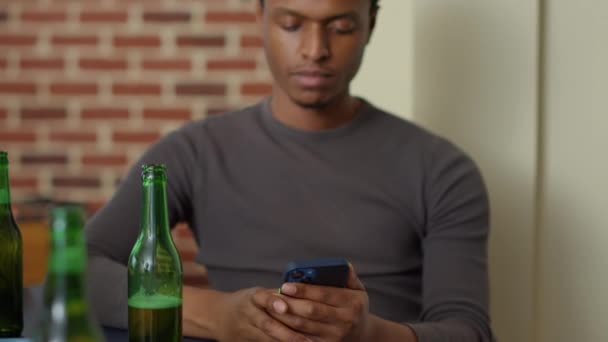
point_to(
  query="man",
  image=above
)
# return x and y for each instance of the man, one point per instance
(312, 172)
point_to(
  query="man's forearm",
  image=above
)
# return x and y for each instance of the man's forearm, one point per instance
(388, 331)
(201, 312)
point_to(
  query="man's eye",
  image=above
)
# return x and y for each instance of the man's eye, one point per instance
(290, 28)
(343, 27)
(343, 31)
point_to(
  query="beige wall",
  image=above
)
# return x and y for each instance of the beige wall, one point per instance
(475, 83)
(523, 87)
(385, 77)
(573, 282)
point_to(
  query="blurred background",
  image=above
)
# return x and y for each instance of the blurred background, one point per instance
(521, 85)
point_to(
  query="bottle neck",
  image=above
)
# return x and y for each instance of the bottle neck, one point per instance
(155, 220)
(67, 264)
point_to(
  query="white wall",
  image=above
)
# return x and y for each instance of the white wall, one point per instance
(573, 287)
(385, 77)
(476, 83)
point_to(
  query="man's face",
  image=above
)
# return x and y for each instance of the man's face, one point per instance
(314, 47)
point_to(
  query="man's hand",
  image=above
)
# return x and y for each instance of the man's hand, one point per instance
(323, 313)
(242, 320)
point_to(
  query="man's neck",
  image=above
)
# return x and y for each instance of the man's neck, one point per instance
(333, 115)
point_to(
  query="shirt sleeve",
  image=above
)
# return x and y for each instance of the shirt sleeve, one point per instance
(112, 231)
(455, 276)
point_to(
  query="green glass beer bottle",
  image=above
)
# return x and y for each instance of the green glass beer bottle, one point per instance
(66, 316)
(155, 269)
(11, 261)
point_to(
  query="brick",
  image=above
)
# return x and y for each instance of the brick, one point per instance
(39, 159)
(3, 63)
(231, 64)
(23, 88)
(74, 40)
(200, 89)
(252, 42)
(201, 41)
(135, 137)
(136, 41)
(73, 88)
(167, 114)
(17, 136)
(93, 206)
(256, 88)
(41, 63)
(80, 137)
(102, 64)
(216, 111)
(166, 17)
(104, 113)
(136, 89)
(43, 16)
(166, 64)
(3, 113)
(104, 160)
(43, 114)
(17, 39)
(76, 182)
(3, 16)
(23, 182)
(103, 17)
(230, 17)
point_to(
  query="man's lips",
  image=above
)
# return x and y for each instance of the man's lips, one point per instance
(312, 78)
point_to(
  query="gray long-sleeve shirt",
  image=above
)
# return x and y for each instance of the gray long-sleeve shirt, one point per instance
(406, 207)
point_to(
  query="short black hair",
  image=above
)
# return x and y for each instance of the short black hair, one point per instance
(374, 4)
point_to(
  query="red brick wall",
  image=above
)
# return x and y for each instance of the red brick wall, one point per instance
(86, 86)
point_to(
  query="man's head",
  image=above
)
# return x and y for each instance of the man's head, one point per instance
(314, 48)
(374, 4)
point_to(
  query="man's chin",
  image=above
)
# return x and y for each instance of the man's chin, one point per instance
(312, 102)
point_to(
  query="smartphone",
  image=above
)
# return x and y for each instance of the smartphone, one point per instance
(325, 272)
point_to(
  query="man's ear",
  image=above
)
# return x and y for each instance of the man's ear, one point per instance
(372, 22)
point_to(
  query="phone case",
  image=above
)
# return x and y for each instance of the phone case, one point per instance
(325, 272)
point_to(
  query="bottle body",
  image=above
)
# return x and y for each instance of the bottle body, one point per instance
(11, 261)
(154, 269)
(66, 315)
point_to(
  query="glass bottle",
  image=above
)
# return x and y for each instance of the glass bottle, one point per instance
(11, 261)
(155, 269)
(66, 316)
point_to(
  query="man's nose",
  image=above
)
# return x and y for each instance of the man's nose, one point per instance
(315, 44)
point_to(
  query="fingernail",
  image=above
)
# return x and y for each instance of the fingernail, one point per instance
(288, 289)
(279, 306)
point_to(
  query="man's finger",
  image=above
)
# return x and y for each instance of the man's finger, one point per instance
(308, 309)
(275, 329)
(333, 296)
(304, 325)
(353, 280)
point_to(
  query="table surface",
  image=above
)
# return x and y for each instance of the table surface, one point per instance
(111, 334)
(32, 305)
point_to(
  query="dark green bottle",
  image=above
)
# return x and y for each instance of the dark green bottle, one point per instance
(155, 269)
(66, 316)
(11, 261)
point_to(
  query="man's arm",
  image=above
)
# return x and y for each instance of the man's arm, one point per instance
(111, 233)
(455, 278)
